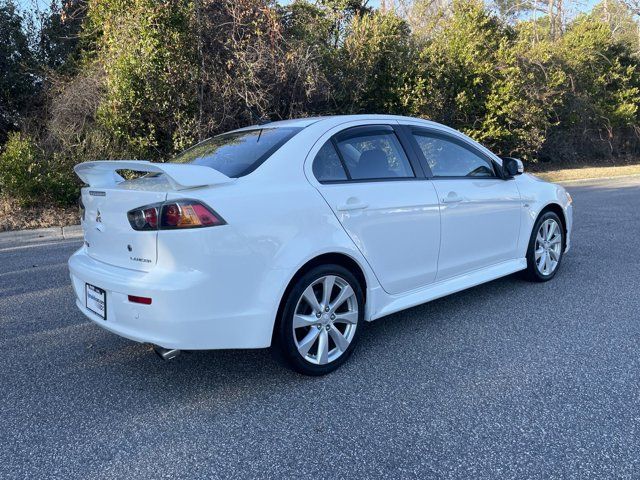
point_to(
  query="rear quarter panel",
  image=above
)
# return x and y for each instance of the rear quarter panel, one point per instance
(273, 228)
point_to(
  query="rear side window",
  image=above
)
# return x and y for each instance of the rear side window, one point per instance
(237, 153)
(374, 153)
(447, 158)
(327, 166)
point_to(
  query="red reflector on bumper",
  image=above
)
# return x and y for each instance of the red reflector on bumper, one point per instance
(142, 300)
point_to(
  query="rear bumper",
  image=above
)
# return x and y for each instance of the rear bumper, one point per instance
(190, 310)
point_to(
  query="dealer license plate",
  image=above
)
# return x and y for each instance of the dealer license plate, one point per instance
(96, 300)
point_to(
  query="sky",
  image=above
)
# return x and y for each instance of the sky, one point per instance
(582, 5)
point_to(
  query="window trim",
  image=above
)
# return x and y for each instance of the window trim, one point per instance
(417, 130)
(383, 128)
(334, 143)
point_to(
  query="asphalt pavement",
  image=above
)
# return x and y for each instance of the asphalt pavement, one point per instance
(506, 380)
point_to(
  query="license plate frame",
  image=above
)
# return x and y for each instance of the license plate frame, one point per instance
(97, 299)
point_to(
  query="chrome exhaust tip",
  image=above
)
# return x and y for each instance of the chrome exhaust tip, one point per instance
(166, 354)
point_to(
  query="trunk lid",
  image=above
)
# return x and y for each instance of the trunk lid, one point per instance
(108, 235)
(107, 232)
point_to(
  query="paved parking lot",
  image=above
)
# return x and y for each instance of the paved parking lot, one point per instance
(506, 380)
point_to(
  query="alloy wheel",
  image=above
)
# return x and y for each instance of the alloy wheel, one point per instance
(548, 247)
(325, 320)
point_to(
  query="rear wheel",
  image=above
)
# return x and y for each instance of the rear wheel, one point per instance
(545, 248)
(320, 320)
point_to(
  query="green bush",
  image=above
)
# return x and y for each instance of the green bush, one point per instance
(150, 95)
(375, 60)
(147, 78)
(31, 178)
(20, 172)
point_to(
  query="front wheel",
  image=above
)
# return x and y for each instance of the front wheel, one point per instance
(320, 321)
(545, 248)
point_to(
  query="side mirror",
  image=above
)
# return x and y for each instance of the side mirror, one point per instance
(512, 166)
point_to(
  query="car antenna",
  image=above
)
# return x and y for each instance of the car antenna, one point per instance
(259, 119)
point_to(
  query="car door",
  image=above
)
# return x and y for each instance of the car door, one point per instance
(480, 211)
(384, 202)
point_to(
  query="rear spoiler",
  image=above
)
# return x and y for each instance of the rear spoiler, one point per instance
(104, 173)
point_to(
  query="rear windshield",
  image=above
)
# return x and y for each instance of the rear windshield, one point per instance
(237, 153)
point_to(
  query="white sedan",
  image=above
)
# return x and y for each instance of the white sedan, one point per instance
(295, 233)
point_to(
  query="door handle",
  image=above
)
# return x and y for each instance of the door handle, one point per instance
(345, 207)
(452, 197)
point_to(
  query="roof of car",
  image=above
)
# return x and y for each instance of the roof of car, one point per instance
(305, 122)
(293, 122)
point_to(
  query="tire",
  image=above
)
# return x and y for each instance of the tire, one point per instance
(545, 244)
(322, 339)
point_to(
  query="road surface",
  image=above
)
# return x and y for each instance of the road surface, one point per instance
(506, 380)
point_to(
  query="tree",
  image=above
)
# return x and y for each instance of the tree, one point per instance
(634, 9)
(375, 61)
(148, 54)
(600, 113)
(511, 10)
(147, 78)
(58, 35)
(18, 82)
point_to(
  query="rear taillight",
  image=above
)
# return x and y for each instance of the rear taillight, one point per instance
(144, 218)
(174, 215)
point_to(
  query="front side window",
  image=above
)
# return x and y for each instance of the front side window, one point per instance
(447, 158)
(237, 153)
(374, 153)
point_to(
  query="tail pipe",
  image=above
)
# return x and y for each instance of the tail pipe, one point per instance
(166, 353)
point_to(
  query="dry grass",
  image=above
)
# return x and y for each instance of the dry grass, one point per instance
(580, 173)
(13, 216)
